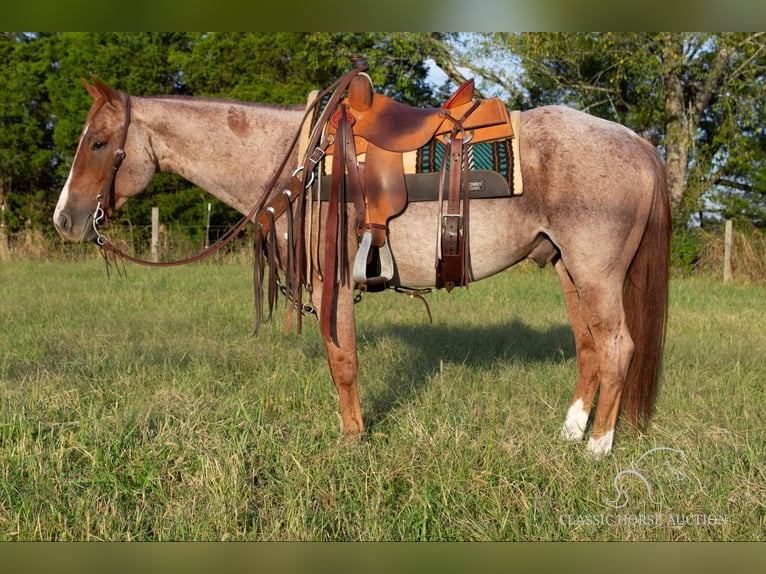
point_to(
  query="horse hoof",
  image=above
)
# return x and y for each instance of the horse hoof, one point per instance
(602, 446)
(575, 422)
(571, 433)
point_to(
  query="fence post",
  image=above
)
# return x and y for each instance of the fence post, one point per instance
(5, 252)
(155, 234)
(207, 227)
(727, 252)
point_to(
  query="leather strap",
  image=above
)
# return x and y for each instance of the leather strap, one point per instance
(337, 202)
(345, 172)
(107, 194)
(452, 267)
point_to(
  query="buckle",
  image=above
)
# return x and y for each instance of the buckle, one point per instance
(317, 155)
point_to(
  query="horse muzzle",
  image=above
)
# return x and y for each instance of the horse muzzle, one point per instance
(74, 227)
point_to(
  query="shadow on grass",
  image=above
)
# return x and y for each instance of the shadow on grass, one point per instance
(475, 347)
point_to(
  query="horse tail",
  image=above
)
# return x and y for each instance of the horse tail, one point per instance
(646, 305)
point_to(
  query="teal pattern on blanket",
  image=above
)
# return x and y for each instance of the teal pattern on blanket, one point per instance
(495, 156)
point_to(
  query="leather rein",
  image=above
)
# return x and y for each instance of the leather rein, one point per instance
(300, 180)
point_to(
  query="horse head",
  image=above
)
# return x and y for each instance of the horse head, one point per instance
(112, 163)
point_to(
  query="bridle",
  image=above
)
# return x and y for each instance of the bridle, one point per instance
(301, 178)
(107, 194)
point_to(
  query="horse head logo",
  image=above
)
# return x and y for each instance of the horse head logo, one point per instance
(622, 498)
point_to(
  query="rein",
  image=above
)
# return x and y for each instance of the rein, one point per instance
(294, 189)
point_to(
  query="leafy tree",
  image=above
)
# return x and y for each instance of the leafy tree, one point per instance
(26, 146)
(697, 96)
(284, 67)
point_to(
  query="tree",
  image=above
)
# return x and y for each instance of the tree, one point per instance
(714, 91)
(698, 96)
(26, 145)
(284, 67)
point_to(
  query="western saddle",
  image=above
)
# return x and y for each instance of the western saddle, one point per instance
(373, 132)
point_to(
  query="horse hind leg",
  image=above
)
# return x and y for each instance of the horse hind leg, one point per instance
(605, 315)
(578, 413)
(604, 352)
(617, 352)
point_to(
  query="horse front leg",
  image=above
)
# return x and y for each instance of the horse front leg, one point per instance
(342, 357)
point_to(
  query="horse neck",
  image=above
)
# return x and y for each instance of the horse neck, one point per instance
(229, 149)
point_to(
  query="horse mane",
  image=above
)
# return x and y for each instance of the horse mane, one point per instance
(224, 101)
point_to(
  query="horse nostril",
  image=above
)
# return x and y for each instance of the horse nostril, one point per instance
(63, 222)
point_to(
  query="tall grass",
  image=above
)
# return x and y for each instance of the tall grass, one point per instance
(748, 259)
(142, 408)
(695, 252)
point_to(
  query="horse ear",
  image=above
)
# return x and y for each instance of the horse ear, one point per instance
(100, 89)
(92, 90)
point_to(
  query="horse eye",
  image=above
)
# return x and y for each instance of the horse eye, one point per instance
(97, 145)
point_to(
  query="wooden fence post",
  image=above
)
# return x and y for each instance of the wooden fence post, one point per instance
(207, 227)
(155, 234)
(5, 251)
(727, 252)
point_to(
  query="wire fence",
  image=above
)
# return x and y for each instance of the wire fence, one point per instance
(174, 241)
(702, 252)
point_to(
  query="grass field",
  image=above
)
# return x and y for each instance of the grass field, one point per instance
(142, 408)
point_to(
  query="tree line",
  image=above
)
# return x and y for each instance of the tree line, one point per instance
(699, 97)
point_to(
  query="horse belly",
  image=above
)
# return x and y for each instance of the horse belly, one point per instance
(495, 242)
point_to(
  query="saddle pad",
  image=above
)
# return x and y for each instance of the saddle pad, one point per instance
(482, 184)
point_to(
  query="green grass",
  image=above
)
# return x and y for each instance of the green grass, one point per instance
(142, 408)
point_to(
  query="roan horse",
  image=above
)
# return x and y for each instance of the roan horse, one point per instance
(595, 205)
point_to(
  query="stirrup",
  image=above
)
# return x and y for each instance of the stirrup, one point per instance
(360, 261)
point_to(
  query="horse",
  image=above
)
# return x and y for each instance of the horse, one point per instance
(595, 206)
